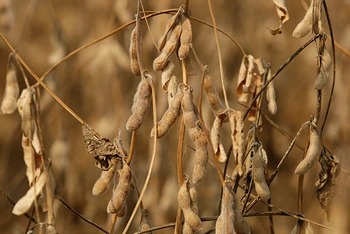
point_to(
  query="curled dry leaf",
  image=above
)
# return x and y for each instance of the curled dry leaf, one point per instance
(282, 13)
(326, 185)
(212, 96)
(167, 73)
(24, 204)
(172, 89)
(121, 191)
(259, 165)
(325, 70)
(11, 93)
(140, 106)
(237, 137)
(103, 149)
(250, 80)
(314, 150)
(219, 150)
(24, 104)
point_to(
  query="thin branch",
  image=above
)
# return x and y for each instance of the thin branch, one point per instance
(79, 215)
(219, 54)
(334, 66)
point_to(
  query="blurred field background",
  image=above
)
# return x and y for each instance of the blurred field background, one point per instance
(98, 85)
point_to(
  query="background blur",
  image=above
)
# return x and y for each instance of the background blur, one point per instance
(98, 85)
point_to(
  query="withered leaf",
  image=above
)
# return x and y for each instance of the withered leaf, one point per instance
(326, 185)
(103, 148)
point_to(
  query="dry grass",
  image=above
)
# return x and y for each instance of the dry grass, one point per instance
(95, 84)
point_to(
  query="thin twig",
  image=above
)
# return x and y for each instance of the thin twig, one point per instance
(12, 202)
(219, 54)
(334, 66)
(79, 215)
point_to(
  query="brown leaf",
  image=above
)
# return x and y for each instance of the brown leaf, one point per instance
(326, 186)
(103, 148)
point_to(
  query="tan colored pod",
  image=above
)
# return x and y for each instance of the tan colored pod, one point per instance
(121, 191)
(325, 71)
(11, 93)
(201, 160)
(185, 38)
(314, 150)
(145, 223)
(134, 63)
(142, 100)
(225, 221)
(102, 184)
(212, 96)
(169, 26)
(169, 116)
(184, 200)
(24, 104)
(271, 95)
(160, 62)
(259, 164)
(304, 27)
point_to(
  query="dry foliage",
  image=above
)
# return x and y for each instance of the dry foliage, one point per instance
(199, 152)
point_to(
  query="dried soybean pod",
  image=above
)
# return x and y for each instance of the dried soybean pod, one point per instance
(225, 221)
(185, 38)
(189, 109)
(134, 63)
(142, 100)
(240, 225)
(145, 223)
(169, 116)
(259, 164)
(121, 191)
(160, 62)
(201, 160)
(271, 95)
(122, 212)
(103, 183)
(314, 150)
(169, 26)
(11, 93)
(324, 73)
(184, 200)
(304, 27)
(212, 96)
